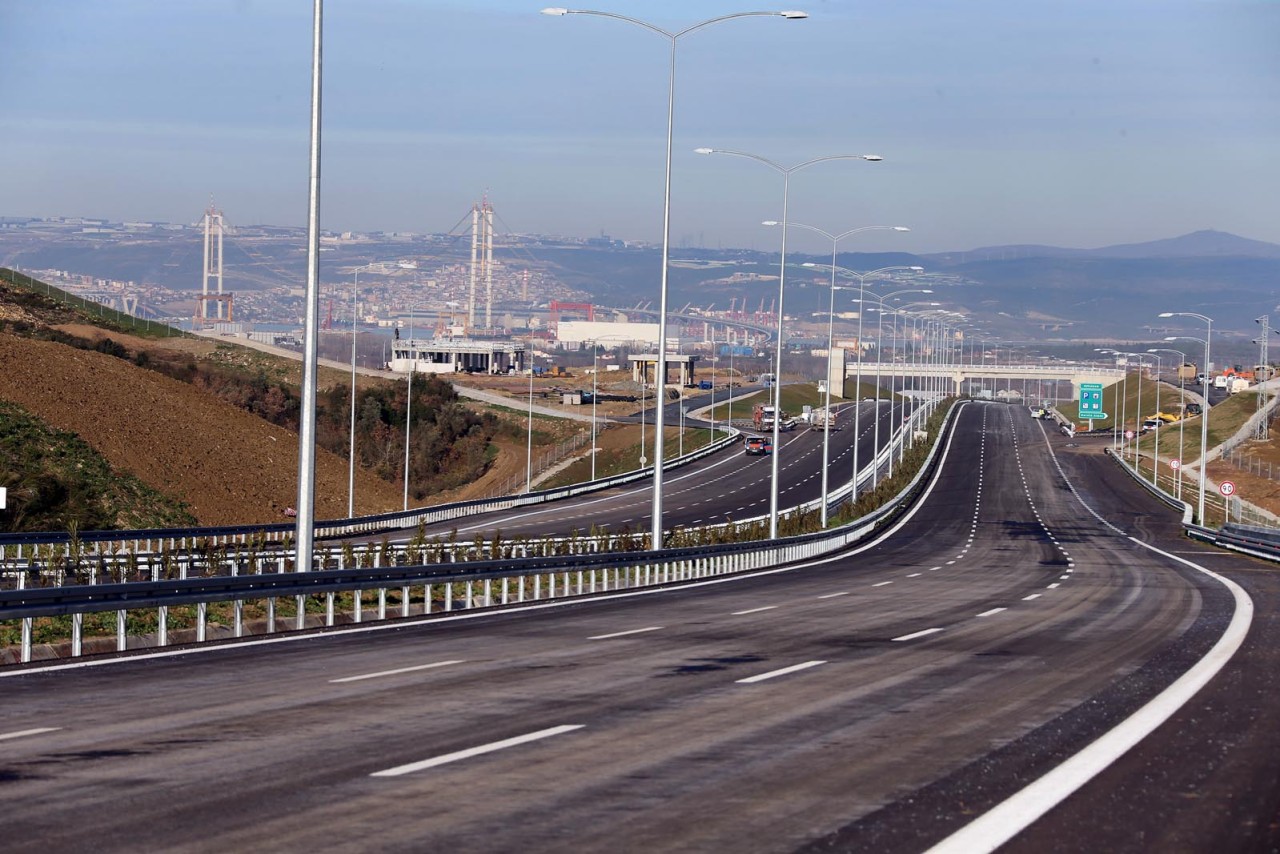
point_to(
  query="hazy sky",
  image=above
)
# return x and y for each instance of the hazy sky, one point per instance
(1080, 123)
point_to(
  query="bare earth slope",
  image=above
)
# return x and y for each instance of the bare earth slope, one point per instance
(229, 466)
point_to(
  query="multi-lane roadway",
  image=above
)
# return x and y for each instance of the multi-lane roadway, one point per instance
(880, 700)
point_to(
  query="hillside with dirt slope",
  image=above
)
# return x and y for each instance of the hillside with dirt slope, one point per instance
(227, 465)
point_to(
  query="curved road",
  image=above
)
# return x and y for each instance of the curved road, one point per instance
(878, 700)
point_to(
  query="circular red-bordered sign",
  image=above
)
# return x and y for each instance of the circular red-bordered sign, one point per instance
(1175, 464)
(1227, 488)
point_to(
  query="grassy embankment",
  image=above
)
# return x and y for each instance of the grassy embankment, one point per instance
(56, 482)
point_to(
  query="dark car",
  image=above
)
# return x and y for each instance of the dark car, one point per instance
(758, 446)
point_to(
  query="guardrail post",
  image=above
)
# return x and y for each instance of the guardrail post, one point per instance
(405, 595)
(162, 627)
(488, 587)
(202, 615)
(426, 598)
(271, 615)
(328, 608)
(382, 603)
(448, 596)
(467, 597)
(504, 590)
(580, 582)
(77, 634)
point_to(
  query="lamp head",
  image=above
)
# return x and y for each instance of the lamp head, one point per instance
(900, 228)
(770, 222)
(704, 151)
(874, 158)
(1166, 314)
(915, 269)
(794, 16)
(555, 10)
(806, 263)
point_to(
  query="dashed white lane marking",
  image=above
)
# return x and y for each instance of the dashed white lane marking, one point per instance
(1052, 586)
(781, 672)
(1032, 596)
(834, 595)
(398, 670)
(624, 634)
(915, 635)
(476, 751)
(23, 733)
(992, 612)
(881, 583)
(915, 575)
(754, 610)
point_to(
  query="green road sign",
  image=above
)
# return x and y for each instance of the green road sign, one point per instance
(1091, 401)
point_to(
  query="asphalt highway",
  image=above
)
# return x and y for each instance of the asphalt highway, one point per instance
(726, 486)
(879, 700)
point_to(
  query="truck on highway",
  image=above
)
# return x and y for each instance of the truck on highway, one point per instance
(762, 416)
(817, 419)
(1237, 384)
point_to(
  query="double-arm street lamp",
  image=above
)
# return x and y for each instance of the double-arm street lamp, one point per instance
(786, 172)
(1181, 418)
(673, 38)
(884, 309)
(351, 455)
(1204, 415)
(831, 313)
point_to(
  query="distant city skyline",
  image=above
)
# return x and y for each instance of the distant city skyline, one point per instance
(1078, 125)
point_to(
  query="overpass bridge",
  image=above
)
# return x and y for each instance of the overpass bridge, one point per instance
(909, 373)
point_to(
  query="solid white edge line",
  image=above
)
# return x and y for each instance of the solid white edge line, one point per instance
(624, 634)
(446, 758)
(782, 672)
(1011, 817)
(22, 733)
(398, 670)
(915, 635)
(754, 610)
(481, 614)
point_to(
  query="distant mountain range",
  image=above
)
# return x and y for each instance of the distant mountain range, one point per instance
(1197, 244)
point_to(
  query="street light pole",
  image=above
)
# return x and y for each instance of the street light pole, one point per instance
(786, 173)
(831, 314)
(673, 38)
(304, 530)
(351, 453)
(1182, 417)
(1204, 415)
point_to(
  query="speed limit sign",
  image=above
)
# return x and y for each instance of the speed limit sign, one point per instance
(1128, 434)
(1227, 488)
(1175, 464)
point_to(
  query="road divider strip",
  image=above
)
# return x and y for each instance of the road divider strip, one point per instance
(23, 733)
(624, 634)
(395, 672)
(445, 759)
(781, 672)
(915, 635)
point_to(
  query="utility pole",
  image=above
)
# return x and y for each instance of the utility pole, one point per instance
(1262, 431)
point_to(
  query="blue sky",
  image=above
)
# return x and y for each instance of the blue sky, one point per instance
(1079, 123)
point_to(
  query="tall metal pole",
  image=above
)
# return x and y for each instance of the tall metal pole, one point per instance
(351, 451)
(659, 380)
(786, 173)
(826, 404)
(595, 373)
(1204, 415)
(304, 530)
(528, 460)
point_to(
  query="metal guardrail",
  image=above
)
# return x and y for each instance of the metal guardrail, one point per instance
(1257, 542)
(594, 572)
(143, 539)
